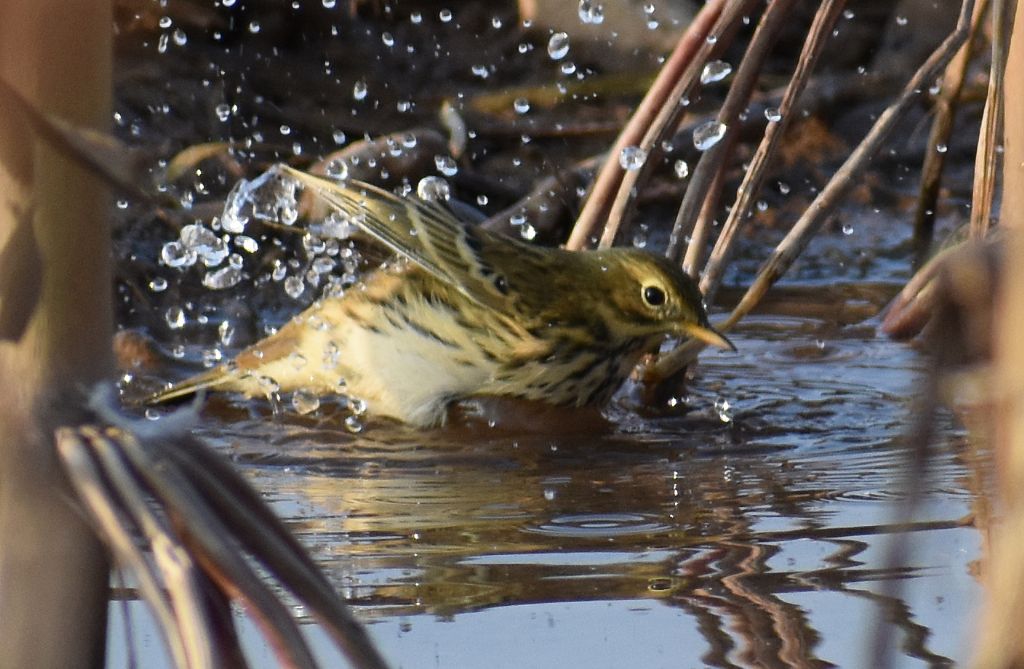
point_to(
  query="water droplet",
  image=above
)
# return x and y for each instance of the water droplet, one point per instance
(175, 318)
(715, 70)
(568, 67)
(723, 409)
(632, 158)
(445, 15)
(433, 189)
(901, 20)
(640, 236)
(174, 254)
(254, 27)
(297, 360)
(848, 14)
(359, 90)
(446, 165)
(323, 265)
(294, 287)
(528, 232)
(223, 112)
(353, 425)
(682, 169)
(591, 12)
(337, 225)
(941, 148)
(232, 220)
(161, 43)
(205, 243)
(387, 38)
(558, 46)
(158, 284)
(336, 169)
(225, 277)
(226, 332)
(179, 37)
(338, 136)
(416, 18)
(304, 402)
(847, 229)
(707, 134)
(549, 494)
(521, 105)
(784, 188)
(773, 114)
(228, 3)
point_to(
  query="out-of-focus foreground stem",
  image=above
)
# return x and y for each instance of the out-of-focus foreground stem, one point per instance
(55, 331)
(1000, 641)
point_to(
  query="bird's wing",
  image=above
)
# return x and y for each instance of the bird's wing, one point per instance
(460, 254)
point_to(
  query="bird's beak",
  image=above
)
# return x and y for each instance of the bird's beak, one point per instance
(706, 334)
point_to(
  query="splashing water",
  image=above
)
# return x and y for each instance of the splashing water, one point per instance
(558, 46)
(269, 197)
(715, 70)
(708, 134)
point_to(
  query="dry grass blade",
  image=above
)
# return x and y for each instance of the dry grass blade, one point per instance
(212, 542)
(826, 202)
(267, 539)
(942, 127)
(115, 509)
(605, 185)
(207, 513)
(817, 38)
(986, 163)
(702, 187)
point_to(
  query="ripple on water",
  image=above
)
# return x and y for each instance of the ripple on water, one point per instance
(599, 525)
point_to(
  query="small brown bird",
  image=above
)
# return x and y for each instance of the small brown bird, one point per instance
(468, 313)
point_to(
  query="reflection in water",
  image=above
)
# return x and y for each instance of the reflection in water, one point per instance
(765, 534)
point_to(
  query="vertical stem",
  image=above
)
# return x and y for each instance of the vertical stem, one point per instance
(1000, 643)
(986, 162)
(942, 128)
(55, 330)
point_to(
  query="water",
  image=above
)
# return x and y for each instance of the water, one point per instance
(676, 539)
(673, 540)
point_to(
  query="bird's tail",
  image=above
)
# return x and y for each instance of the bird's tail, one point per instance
(210, 379)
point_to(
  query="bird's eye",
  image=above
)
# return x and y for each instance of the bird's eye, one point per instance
(653, 296)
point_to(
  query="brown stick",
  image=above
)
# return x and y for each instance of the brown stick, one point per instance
(668, 117)
(942, 127)
(753, 180)
(836, 189)
(999, 641)
(596, 209)
(986, 162)
(55, 330)
(700, 190)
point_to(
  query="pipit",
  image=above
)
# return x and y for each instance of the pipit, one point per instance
(467, 313)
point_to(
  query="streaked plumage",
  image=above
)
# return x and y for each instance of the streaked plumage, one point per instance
(469, 313)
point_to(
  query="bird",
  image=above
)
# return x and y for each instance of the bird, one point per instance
(465, 312)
